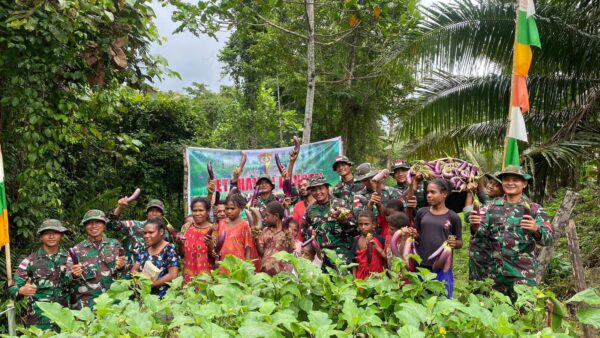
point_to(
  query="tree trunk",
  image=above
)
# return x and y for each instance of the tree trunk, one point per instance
(575, 254)
(563, 214)
(311, 79)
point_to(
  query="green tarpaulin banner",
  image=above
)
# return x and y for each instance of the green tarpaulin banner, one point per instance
(314, 159)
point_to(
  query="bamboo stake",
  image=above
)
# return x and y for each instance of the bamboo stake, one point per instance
(10, 314)
(512, 88)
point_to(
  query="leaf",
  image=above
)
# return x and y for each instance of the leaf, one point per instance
(256, 329)
(267, 308)
(588, 296)
(319, 319)
(412, 314)
(84, 314)
(62, 317)
(589, 316)
(410, 331)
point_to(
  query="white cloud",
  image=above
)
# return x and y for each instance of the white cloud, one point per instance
(194, 58)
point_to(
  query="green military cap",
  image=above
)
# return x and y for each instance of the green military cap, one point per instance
(515, 170)
(400, 164)
(364, 171)
(494, 177)
(317, 181)
(341, 159)
(155, 204)
(94, 214)
(265, 177)
(52, 224)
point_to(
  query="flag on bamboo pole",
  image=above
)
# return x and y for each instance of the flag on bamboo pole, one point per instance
(527, 32)
(516, 132)
(3, 207)
(520, 95)
(523, 58)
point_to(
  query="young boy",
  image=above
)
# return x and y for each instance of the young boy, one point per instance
(367, 248)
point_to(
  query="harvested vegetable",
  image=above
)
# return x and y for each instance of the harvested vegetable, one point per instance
(279, 164)
(209, 168)
(135, 195)
(73, 256)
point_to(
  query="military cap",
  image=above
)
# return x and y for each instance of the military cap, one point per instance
(400, 164)
(317, 181)
(515, 170)
(265, 177)
(52, 224)
(93, 214)
(493, 177)
(341, 159)
(155, 204)
(364, 171)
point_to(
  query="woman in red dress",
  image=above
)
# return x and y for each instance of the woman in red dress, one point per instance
(198, 247)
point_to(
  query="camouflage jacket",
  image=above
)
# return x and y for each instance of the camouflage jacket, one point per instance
(339, 235)
(420, 194)
(361, 199)
(513, 248)
(98, 261)
(346, 190)
(51, 276)
(134, 237)
(261, 204)
(480, 250)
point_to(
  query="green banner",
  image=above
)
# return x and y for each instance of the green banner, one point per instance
(314, 159)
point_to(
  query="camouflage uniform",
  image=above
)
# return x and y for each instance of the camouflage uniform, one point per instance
(98, 261)
(51, 276)
(345, 190)
(318, 216)
(513, 256)
(133, 232)
(420, 194)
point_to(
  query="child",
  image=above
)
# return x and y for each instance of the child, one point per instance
(274, 238)
(312, 255)
(238, 237)
(367, 248)
(294, 229)
(396, 220)
(435, 225)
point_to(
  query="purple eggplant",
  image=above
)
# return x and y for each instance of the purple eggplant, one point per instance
(73, 256)
(526, 209)
(382, 175)
(394, 243)
(249, 217)
(279, 164)
(296, 144)
(325, 239)
(217, 197)
(254, 197)
(287, 187)
(242, 161)
(135, 195)
(220, 241)
(209, 168)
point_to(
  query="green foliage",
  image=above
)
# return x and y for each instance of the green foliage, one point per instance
(309, 302)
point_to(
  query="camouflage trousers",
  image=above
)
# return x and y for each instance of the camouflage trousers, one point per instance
(506, 285)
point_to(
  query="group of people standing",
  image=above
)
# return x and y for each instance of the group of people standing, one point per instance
(356, 218)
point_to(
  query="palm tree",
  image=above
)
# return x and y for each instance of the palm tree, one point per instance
(464, 51)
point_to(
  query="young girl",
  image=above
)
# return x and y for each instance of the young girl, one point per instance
(274, 238)
(396, 221)
(367, 248)
(435, 225)
(238, 237)
(294, 229)
(159, 259)
(198, 247)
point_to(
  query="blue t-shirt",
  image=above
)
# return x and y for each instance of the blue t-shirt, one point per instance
(166, 259)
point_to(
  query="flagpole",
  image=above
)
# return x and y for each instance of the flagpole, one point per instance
(512, 89)
(10, 314)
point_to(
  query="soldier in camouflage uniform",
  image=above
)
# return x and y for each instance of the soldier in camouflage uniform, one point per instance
(347, 187)
(133, 230)
(331, 218)
(43, 276)
(98, 260)
(399, 172)
(365, 172)
(265, 196)
(480, 251)
(513, 225)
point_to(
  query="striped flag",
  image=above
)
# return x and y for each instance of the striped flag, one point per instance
(526, 36)
(3, 207)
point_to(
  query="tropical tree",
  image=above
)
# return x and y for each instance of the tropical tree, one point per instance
(464, 52)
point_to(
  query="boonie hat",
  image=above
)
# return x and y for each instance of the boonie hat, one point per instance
(93, 214)
(494, 177)
(264, 177)
(516, 170)
(317, 181)
(52, 224)
(364, 171)
(155, 204)
(341, 159)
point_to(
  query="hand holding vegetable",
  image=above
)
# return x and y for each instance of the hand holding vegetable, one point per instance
(120, 262)
(28, 290)
(287, 202)
(452, 241)
(210, 188)
(528, 223)
(475, 218)
(375, 198)
(411, 202)
(77, 270)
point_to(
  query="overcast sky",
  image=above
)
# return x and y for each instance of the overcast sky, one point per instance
(194, 58)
